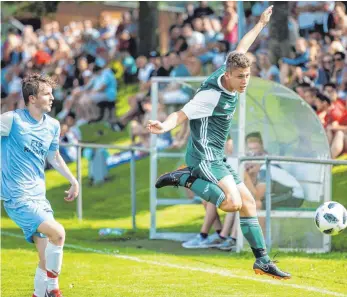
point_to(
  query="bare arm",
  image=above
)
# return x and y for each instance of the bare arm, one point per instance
(250, 37)
(173, 120)
(59, 164)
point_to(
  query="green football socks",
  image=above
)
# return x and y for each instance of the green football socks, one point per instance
(252, 231)
(208, 191)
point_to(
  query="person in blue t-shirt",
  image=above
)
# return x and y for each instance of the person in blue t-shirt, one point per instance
(28, 137)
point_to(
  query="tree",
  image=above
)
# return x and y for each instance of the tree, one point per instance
(278, 29)
(35, 9)
(148, 25)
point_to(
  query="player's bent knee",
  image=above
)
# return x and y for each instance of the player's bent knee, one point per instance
(58, 235)
(229, 206)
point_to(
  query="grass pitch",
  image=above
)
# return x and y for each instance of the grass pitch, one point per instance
(132, 265)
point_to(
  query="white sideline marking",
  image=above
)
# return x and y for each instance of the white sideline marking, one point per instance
(221, 272)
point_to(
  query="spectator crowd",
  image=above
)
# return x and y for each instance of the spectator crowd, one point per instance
(90, 61)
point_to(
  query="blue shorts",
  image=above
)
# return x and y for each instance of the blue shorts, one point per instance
(29, 214)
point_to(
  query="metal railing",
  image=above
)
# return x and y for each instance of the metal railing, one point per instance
(264, 159)
(79, 147)
(268, 160)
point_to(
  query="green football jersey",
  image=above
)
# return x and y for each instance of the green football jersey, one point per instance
(210, 113)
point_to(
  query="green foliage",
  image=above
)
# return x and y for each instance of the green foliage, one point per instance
(34, 8)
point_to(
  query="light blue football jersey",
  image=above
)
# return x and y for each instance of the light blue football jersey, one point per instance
(25, 143)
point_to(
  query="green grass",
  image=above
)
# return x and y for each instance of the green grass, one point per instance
(95, 266)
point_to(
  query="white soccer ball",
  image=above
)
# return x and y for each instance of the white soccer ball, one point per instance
(331, 218)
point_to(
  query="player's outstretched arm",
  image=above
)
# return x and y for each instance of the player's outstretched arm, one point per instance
(249, 38)
(173, 120)
(58, 163)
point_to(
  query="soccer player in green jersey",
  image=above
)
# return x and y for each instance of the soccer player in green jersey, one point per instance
(210, 113)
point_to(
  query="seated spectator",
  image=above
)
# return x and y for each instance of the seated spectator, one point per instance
(310, 96)
(14, 89)
(268, 71)
(215, 53)
(174, 34)
(325, 71)
(340, 20)
(130, 69)
(107, 31)
(339, 66)
(336, 121)
(194, 39)
(67, 136)
(100, 91)
(285, 189)
(225, 234)
(212, 29)
(322, 105)
(165, 68)
(127, 43)
(138, 128)
(301, 60)
(175, 93)
(145, 69)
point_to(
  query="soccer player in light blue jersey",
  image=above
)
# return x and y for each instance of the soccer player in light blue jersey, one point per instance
(28, 137)
(208, 175)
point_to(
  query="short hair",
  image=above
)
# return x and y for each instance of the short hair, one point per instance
(32, 84)
(237, 60)
(330, 85)
(341, 54)
(323, 98)
(254, 137)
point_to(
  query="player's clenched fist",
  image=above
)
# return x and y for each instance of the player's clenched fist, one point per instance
(155, 127)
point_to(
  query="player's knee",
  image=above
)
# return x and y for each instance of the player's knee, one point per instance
(58, 237)
(228, 205)
(249, 204)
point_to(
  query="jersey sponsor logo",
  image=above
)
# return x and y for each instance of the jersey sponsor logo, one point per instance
(35, 147)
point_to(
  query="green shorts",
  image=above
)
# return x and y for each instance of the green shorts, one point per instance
(212, 171)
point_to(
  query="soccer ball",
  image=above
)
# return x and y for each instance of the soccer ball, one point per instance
(331, 218)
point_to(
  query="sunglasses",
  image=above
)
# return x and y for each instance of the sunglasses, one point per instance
(338, 60)
(330, 61)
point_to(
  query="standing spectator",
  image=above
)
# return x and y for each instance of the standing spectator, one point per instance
(203, 10)
(230, 25)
